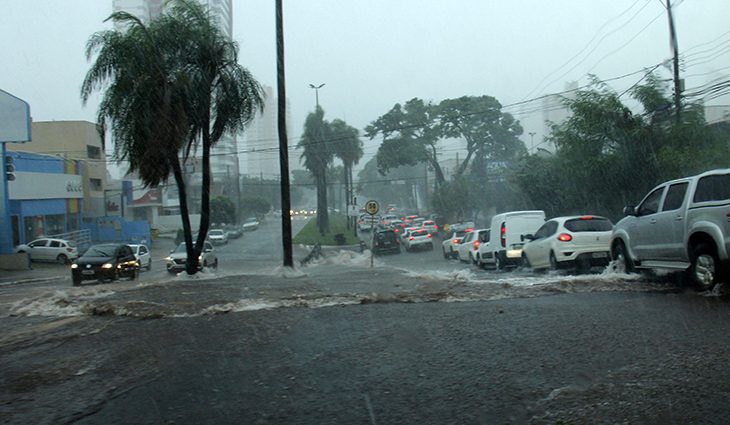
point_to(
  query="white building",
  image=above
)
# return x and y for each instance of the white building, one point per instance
(260, 156)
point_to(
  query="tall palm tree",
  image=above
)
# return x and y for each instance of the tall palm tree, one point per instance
(348, 148)
(317, 156)
(169, 87)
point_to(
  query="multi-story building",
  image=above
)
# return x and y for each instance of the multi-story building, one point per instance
(260, 156)
(75, 140)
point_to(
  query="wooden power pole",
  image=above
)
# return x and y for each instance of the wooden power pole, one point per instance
(286, 237)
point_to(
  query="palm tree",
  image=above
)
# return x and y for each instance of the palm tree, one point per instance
(348, 148)
(170, 86)
(317, 156)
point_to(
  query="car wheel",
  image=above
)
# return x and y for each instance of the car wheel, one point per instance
(526, 261)
(62, 259)
(703, 271)
(623, 263)
(134, 275)
(553, 261)
(215, 264)
(472, 259)
(498, 263)
(76, 281)
(446, 256)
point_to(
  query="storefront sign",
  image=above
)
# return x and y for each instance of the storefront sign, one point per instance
(29, 185)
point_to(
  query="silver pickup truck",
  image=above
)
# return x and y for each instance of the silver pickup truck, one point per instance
(681, 224)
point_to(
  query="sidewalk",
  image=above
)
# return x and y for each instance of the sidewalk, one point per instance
(41, 272)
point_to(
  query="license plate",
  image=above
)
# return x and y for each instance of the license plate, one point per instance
(87, 272)
(600, 254)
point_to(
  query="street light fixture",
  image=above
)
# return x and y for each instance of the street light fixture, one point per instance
(316, 91)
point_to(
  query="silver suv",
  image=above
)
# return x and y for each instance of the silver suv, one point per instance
(682, 224)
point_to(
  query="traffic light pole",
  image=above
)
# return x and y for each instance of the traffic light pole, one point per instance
(6, 233)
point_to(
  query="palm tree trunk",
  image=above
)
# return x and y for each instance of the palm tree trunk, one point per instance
(182, 194)
(322, 217)
(204, 195)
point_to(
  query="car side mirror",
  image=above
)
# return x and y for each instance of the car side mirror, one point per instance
(630, 210)
(527, 237)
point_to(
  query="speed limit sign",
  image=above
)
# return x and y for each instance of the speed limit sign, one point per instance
(372, 207)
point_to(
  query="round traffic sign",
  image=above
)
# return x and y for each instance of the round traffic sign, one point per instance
(372, 207)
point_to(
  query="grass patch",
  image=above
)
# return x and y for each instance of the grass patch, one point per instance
(309, 235)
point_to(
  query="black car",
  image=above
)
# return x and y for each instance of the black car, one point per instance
(108, 261)
(386, 240)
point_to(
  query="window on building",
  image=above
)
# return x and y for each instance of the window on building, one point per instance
(55, 224)
(93, 152)
(95, 184)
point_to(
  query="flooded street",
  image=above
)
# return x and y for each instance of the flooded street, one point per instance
(416, 339)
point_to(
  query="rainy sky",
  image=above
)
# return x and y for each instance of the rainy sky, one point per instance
(372, 54)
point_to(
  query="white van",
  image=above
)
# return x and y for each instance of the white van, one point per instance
(502, 246)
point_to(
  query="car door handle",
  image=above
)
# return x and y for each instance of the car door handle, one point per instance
(679, 218)
(652, 221)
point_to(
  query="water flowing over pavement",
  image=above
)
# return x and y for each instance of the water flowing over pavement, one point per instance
(416, 339)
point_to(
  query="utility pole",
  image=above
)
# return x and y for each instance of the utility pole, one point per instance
(675, 52)
(286, 237)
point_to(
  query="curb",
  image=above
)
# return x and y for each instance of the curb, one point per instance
(33, 280)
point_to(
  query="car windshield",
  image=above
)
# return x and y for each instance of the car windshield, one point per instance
(331, 156)
(100, 251)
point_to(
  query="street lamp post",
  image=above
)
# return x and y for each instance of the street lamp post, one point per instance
(316, 91)
(532, 140)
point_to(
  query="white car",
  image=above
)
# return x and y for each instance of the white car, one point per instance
(574, 241)
(178, 257)
(251, 224)
(468, 249)
(406, 232)
(218, 237)
(418, 239)
(49, 249)
(143, 256)
(431, 227)
(450, 245)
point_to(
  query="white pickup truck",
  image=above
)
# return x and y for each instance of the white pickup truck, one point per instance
(682, 224)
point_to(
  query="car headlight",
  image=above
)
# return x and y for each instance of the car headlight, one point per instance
(168, 258)
(107, 266)
(74, 266)
(200, 258)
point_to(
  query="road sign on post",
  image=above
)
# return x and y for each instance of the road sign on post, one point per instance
(372, 207)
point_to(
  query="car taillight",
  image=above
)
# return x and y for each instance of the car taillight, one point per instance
(435, 227)
(564, 237)
(469, 229)
(587, 217)
(476, 244)
(429, 235)
(70, 249)
(411, 238)
(396, 230)
(454, 241)
(503, 235)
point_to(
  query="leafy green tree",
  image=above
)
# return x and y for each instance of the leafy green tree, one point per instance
(607, 157)
(410, 136)
(255, 206)
(348, 148)
(170, 87)
(317, 155)
(222, 210)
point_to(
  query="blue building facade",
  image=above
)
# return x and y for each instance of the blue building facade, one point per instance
(46, 196)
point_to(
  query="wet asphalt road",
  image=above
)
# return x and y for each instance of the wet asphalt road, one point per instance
(611, 357)
(416, 340)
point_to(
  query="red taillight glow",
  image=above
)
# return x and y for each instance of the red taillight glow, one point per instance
(396, 230)
(587, 217)
(435, 227)
(564, 237)
(411, 238)
(429, 235)
(469, 229)
(476, 244)
(503, 235)
(454, 241)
